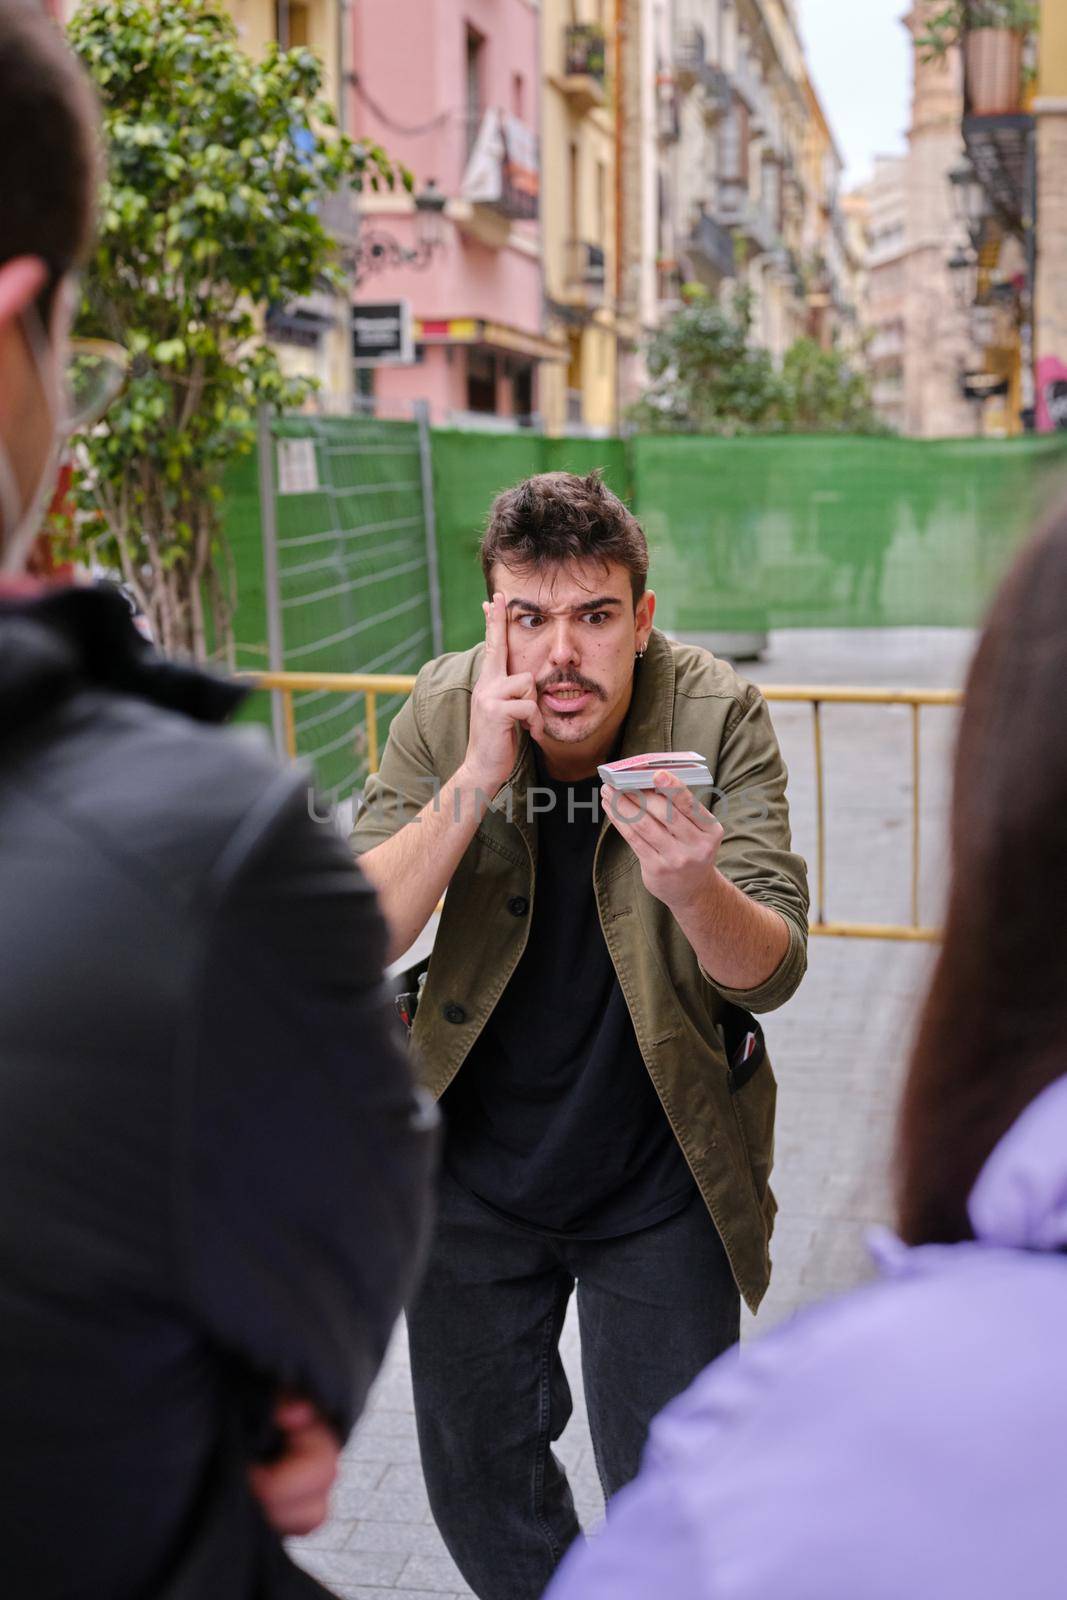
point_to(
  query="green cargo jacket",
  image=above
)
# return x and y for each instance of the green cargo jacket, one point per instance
(684, 699)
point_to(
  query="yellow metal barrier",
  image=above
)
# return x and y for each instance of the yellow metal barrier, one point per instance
(371, 685)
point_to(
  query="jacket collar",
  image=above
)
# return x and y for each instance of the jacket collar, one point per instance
(648, 726)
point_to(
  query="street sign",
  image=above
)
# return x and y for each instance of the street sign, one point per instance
(382, 334)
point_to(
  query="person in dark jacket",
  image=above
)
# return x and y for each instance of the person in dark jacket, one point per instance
(908, 1439)
(214, 1166)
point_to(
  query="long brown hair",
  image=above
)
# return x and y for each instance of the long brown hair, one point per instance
(993, 1032)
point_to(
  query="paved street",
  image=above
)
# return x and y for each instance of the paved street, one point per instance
(839, 1049)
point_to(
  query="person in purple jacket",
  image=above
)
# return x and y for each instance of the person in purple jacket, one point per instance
(910, 1439)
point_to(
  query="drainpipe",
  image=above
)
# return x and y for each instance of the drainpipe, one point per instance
(344, 76)
(620, 151)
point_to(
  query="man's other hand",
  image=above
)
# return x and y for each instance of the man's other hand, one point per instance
(294, 1490)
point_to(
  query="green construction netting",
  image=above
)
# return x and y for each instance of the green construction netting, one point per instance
(819, 533)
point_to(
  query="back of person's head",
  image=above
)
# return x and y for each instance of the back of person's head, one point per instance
(48, 170)
(993, 1033)
(558, 518)
(47, 148)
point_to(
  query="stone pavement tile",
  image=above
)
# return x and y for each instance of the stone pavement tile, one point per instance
(392, 1507)
(333, 1535)
(420, 1538)
(387, 1449)
(436, 1573)
(378, 1568)
(359, 1592)
(404, 1476)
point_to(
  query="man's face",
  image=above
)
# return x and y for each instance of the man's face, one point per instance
(575, 628)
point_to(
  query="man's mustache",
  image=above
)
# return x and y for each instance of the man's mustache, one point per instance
(573, 680)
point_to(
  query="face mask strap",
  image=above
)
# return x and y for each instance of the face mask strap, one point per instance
(21, 526)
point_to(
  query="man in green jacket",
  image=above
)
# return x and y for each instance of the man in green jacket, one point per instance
(594, 972)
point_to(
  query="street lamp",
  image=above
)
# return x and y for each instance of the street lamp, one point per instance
(968, 199)
(376, 250)
(962, 264)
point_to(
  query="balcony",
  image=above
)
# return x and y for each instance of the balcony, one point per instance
(736, 211)
(668, 284)
(711, 246)
(694, 70)
(585, 281)
(668, 123)
(999, 144)
(501, 177)
(750, 86)
(584, 76)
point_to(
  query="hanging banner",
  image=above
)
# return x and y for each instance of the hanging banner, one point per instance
(504, 167)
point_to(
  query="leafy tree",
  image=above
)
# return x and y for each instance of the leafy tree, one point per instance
(218, 165)
(824, 393)
(706, 377)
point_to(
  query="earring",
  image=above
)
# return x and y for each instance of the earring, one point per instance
(641, 653)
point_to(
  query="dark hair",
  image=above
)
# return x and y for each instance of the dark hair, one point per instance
(48, 146)
(993, 1033)
(557, 518)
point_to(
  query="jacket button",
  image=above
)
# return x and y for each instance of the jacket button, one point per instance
(518, 905)
(454, 1013)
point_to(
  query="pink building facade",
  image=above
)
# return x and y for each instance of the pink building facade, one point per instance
(451, 88)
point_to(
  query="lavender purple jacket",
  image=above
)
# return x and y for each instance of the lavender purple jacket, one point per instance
(909, 1439)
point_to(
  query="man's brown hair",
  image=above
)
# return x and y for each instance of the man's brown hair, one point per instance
(557, 518)
(48, 146)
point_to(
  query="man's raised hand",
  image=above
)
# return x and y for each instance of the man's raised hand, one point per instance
(500, 703)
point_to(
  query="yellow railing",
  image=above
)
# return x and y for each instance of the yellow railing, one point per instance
(371, 685)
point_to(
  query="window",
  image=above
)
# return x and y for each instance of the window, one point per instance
(292, 24)
(365, 377)
(481, 381)
(733, 144)
(474, 81)
(522, 390)
(573, 195)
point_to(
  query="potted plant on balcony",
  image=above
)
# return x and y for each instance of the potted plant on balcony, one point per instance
(992, 34)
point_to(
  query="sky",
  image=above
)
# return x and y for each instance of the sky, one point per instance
(860, 60)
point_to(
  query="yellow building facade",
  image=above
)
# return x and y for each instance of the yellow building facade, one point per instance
(312, 339)
(579, 144)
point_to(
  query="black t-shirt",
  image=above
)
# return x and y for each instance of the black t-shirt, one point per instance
(553, 1119)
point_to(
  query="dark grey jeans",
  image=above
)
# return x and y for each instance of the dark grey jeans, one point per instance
(491, 1395)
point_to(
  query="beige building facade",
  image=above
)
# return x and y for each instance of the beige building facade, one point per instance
(917, 331)
(936, 326)
(580, 59)
(883, 308)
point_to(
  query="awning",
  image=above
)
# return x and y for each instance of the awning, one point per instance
(475, 330)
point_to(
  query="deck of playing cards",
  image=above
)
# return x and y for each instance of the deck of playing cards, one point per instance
(639, 772)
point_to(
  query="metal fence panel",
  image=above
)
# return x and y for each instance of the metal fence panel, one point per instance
(349, 579)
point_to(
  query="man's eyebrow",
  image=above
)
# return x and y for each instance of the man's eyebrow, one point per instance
(586, 605)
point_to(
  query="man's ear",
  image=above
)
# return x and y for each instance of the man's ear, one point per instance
(645, 611)
(21, 281)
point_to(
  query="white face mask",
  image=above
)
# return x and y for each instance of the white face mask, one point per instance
(20, 524)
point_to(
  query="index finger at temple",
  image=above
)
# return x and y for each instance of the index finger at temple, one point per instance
(496, 636)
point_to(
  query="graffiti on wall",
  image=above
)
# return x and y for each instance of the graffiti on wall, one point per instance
(1051, 395)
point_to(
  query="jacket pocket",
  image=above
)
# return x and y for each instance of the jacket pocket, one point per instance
(753, 1094)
